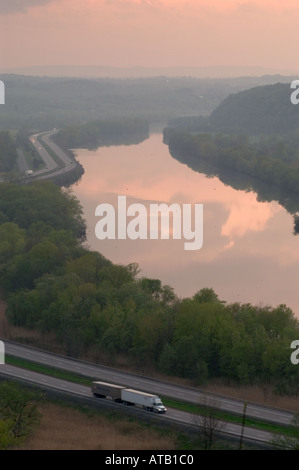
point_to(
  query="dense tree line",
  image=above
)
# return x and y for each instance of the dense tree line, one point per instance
(56, 286)
(259, 110)
(103, 132)
(269, 165)
(42, 203)
(8, 153)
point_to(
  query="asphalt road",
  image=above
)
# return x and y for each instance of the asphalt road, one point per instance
(192, 395)
(51, 167)
(22, 161)
(49, 162)
(172, 415)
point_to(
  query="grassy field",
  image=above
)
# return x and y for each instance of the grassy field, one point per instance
(66, 428)
(63, 426)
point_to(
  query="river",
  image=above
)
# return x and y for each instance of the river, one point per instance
(249, 253)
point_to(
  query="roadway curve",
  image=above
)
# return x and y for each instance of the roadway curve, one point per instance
(192, 395)
(51, 167)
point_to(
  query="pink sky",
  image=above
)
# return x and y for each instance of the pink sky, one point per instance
(149, 33)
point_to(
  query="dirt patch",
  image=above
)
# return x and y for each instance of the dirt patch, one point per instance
(63, 428)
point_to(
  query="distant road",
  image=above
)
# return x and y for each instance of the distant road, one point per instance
(51, 166)
(22, 161)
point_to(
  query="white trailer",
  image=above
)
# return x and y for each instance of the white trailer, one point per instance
(148, 401)
(128, 396)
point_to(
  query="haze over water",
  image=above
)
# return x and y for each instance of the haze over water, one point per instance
(249, 252)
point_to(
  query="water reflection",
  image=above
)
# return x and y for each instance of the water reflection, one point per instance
(249, 253)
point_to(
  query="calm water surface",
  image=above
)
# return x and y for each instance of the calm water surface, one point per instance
(249, 253)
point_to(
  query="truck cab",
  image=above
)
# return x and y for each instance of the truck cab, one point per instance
(158, 406)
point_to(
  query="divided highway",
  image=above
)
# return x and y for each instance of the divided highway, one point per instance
(170, 390)
(84, 392)
(51, 166)
(191, 395)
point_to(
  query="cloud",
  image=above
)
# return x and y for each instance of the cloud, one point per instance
(19, 6)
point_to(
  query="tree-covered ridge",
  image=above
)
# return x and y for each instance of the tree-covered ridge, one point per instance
(268, 165)
(45, 102)
(8, 153)
(101, 132)
(250, 141)
(56, 286)
(260, 110)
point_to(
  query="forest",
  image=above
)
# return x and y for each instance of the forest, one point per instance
(101, 132)
(259, 110)
(269, 166)
(42, 103)
(250, 141)
(8, 153)
(272, 160)
(55, 285)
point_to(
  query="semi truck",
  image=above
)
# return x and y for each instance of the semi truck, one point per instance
(128, 396)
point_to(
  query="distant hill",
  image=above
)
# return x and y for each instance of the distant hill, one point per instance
(97, 71)
(259, 110)
(46, 102)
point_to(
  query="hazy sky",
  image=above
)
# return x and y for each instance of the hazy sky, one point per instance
(150, 33)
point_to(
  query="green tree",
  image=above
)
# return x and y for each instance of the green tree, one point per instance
(7, 438)
(12, 241)
(18, 408)
(206, 295)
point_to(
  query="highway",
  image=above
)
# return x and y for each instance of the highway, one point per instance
(172, 416)
(22, 161)
(49, 162)
(51, 167)
(192, 395)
